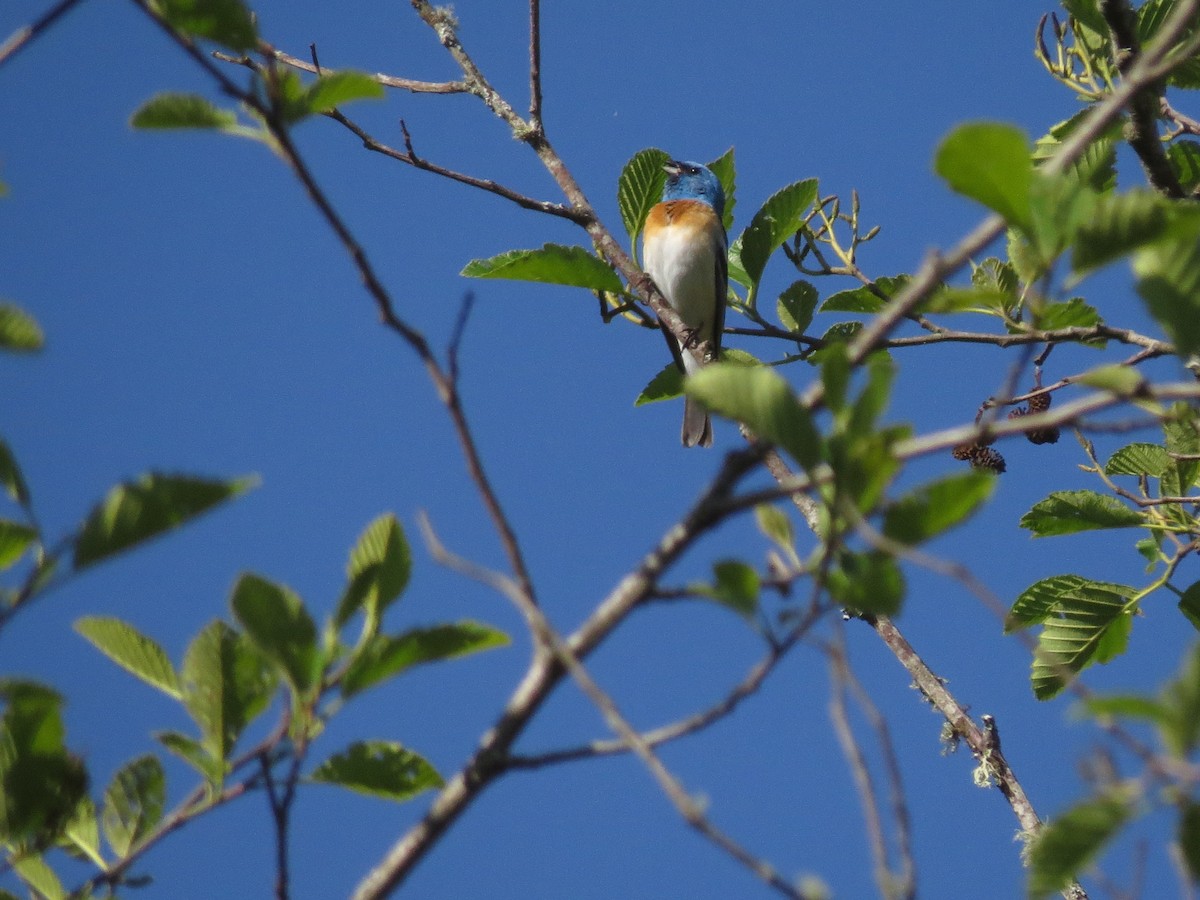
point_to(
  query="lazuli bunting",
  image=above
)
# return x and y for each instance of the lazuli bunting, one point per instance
(684, 249)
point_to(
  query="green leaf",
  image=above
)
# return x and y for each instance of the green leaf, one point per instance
(11, 478)
(834, 339)
(1184, 157)
(1073, 636)
(41, 782)
(779, 218)
(15, 539)
(133, 803)
(1189, 837)
(1129, 706)
(668, 383)
(386, 656)
(987, 301)
(339, 88)
(1117, 379)
(863, 299)
(1068, 512)
(1074, 313)
(134, 512)
(226, 684)
(378, 572)
(82, 834)
(796, 306)
(276, 621)
(191, 752)
(1189, 605)
(1065, 847)
(933, 508)
(1183, 440)
(1138, 459)
(867, 582)
(737, 586)
(1060, 205)
(34, 871)
(1168, 275)
(228, 22)
(776, 525)
(1181, 700)
(1118, 225)
(552, 264)
(1041, 599)
(1096, 167)
(639, 188)
(19, 331)
(725, 170)
(990, 163)
(132, 651)
(761, 399)
(1088, 13)
(379, 769)
(174, 110)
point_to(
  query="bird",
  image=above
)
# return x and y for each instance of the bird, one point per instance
(685, 251)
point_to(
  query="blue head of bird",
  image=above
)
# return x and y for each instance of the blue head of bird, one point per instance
(692, 181)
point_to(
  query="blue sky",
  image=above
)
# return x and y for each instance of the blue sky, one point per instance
(201, 318)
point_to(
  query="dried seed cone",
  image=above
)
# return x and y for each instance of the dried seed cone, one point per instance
(1043, 436)
(1040, 403)
(1017, 411)
(980, 456)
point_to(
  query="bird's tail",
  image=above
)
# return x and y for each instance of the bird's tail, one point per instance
(697, 426)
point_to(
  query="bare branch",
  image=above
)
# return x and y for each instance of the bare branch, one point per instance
(21, 38)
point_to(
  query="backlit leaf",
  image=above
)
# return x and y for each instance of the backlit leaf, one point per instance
(552, 264)
(379, 769)
(1066, 846)
(379, 569)
(133, 803)
(927, 511)
(276, 621)
(388, 655)
(1068, 512)
(777, 220)
(639, 188)
(19, 331)
(132, 651)
(990, 163)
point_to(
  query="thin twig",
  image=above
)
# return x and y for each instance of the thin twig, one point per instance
(21, 38)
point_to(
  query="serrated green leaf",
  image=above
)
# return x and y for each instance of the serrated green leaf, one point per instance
(339, 88)
(1066, 846)
(1043, 598)
(226, 684)
(796, 305)
(933, 508)
(737, 586)
(19, 331)
(1060, 205)
(228, 22)
(33, 870)
(378, 571)
(1138, 459)
(990, 163)
(1118, 225)
(11, 478)
(134, 512)
(132, 651)
(174, 110)
(1088, 13)
(1073, 313)
(1096, 166)
(868, 582)
(1073, 637)
(776, 221)
(1182, 440)
(835, 338)
(762, 400)
(639, 188)
(1129, 706)
(379, 769)
(275, 619)
(552, 264)
(133, 803)
(872, 399)
(15, 539)
(1168, 275)
(386, 656)
(997, 276)
(1069, 512)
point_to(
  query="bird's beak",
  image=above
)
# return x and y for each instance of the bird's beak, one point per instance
(672, 167)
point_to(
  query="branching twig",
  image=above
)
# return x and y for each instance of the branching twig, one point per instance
(20, 38)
